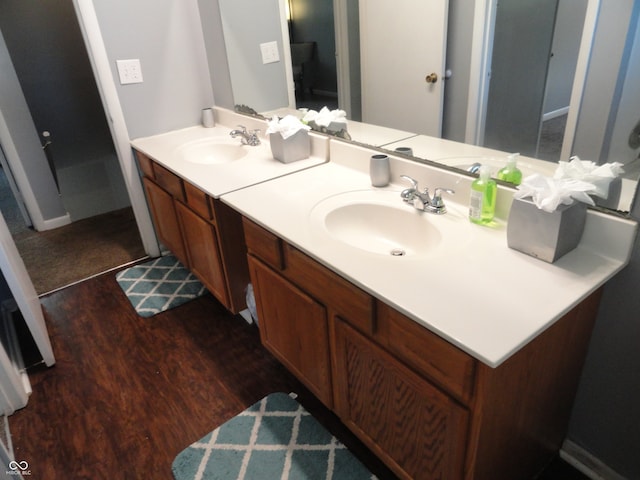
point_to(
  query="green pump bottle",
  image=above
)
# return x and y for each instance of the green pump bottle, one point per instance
(510, 172)
(482, 204)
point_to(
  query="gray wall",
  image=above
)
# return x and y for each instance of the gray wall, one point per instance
(261, 86)
(166, 36)
(456, 91)
(606, 415)
(565, 47)
(600, 88)
(216, 52)
(313, 22)
(25, 139)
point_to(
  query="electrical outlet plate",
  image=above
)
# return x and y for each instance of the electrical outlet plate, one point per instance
(129, 71)
(269, 52)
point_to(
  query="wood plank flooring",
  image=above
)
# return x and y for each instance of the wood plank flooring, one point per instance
(127, 394)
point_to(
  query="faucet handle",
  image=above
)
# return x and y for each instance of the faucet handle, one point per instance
(436, 201)
(408, 194)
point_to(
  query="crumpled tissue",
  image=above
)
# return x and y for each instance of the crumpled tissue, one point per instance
(549, 193)
(287, 126)
(326, 117)
(600, 176)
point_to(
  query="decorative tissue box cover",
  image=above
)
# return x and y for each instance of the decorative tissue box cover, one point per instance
(296, 147)
(545, 235)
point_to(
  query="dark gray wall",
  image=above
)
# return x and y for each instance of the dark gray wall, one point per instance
(25, 139)
(312, 21)
(51, 61)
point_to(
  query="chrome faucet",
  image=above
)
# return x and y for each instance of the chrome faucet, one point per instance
(421, 200)
(248, 138)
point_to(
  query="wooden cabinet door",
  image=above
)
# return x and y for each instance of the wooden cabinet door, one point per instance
(165, 219)
(202, 249)
(418, 430)
(293, 326)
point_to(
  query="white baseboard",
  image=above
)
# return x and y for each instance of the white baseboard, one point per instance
(56, 222)
(585, 462)
(556, 113)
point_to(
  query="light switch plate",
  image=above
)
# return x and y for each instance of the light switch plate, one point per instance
(129, 71)
(269, 52)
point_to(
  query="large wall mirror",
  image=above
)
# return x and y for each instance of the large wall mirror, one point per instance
(546, 78)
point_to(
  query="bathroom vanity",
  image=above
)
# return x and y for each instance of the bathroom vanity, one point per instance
(424, 406)
(459, 358)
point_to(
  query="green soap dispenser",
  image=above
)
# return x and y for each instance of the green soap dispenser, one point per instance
(510, 172)
(482, 204)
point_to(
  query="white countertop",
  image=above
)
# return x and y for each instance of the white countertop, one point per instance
(478, 294)
(257, 165)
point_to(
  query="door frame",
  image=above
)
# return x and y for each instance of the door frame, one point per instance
(481, 52)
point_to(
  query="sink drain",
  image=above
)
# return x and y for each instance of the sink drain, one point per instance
(398, 252)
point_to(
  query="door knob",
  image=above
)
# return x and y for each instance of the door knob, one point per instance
(431, 78)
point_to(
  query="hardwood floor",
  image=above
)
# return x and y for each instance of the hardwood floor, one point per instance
(127, 394)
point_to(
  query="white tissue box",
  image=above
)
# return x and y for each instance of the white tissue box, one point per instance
(296, 147)
(545, 235)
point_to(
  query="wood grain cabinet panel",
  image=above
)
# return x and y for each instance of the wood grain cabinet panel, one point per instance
(419, 431)
(293, 326)
(264, 244)
(204, 256)
(426, 353)
(169, 181)
(164, 215)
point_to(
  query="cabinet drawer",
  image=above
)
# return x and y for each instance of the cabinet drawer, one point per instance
(169, 181)
(348, 301)
(198, 201)
(263, 244)
(426, 353)
(146, 164)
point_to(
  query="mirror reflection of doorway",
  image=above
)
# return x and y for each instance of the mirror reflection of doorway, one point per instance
(531, 84)
(313, 53)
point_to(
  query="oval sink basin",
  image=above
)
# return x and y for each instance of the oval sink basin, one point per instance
(212, 151)
(379, 222)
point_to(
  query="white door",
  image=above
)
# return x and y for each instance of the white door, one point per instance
(402, 48)
(16, 276)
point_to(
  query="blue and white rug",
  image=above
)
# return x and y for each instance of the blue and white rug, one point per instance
(275, 438)
(159, 285)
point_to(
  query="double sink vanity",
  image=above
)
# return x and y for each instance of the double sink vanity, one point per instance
(448, 354)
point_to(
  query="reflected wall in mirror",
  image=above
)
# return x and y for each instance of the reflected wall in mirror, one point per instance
(599, 131)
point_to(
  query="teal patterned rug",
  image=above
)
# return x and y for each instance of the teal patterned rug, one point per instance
(159, 285)
(275, 438)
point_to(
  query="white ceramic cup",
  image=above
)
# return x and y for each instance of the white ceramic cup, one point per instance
(379, 170)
